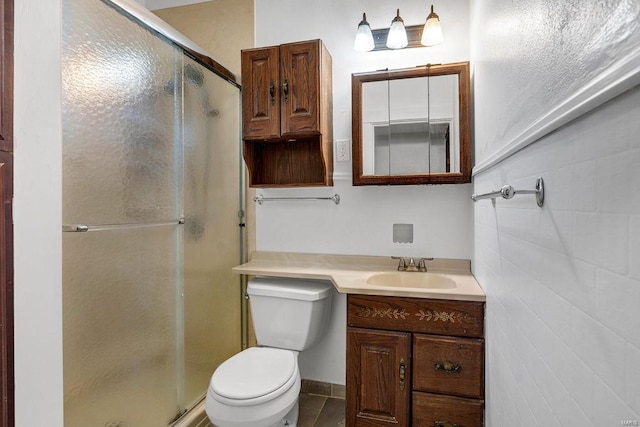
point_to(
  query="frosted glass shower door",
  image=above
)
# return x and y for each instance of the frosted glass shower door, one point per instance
(151, 151)
(212, 297)
(122, 174)
(119, 327)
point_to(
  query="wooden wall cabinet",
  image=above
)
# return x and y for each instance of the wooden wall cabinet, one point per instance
(287, 113)
(414, 362)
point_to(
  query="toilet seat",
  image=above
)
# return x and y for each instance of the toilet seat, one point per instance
(254, 376)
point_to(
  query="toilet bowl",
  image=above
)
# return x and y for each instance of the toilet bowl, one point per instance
(259, 386)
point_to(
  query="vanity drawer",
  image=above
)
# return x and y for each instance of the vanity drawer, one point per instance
(448, 365)
(431, 316)
(432, 410)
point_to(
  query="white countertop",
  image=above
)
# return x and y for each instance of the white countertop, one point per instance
(349, 273)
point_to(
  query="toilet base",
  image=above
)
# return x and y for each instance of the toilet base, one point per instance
(291, 419)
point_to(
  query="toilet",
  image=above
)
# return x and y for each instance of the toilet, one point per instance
(259, 386)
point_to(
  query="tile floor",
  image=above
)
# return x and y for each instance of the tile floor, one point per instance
(321, 411)
(315, 411)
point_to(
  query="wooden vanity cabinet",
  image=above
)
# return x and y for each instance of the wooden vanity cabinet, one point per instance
(414, 361)
(378, 381)
(287, 115)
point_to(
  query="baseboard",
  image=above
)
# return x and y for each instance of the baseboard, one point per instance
(323, 389)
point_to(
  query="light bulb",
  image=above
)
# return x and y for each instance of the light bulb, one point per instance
(364, 38)
(432, 31)
(397, 37)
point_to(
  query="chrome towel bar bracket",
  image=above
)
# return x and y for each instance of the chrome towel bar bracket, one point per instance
(260, 199)
(507, 192)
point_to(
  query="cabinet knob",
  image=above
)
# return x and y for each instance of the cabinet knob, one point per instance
(444, 424)
(403, 369)
(449, 367)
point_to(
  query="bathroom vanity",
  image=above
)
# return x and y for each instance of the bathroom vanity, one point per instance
(414, 340)
(414, 361)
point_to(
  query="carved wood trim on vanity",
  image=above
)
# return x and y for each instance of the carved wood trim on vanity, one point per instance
(444, 317)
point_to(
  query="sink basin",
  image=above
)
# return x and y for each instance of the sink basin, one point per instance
(412, 280)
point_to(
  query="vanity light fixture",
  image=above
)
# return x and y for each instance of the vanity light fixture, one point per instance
(364, 39)
(398, 36)
(432, 31)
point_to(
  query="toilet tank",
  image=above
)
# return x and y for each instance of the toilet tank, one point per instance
(289, 313)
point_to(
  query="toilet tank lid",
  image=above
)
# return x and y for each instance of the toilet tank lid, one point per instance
(290, 288)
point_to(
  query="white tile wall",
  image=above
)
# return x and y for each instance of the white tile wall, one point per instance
(611, 231)
(563, 281)
(633, 377)
(634, 246)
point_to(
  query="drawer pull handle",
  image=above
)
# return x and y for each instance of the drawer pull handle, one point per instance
(449, 367)
(445, 424)
(403, 369)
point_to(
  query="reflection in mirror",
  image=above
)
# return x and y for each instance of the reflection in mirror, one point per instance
(411, 126)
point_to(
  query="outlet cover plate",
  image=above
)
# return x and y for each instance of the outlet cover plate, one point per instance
(343, 152)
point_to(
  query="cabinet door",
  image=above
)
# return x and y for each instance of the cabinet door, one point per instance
(260, 93)
(378, 377)
(300, 79)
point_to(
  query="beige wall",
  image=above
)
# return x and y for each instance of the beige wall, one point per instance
(221, 27)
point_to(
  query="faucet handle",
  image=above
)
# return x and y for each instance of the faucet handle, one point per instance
(402, 265)
(422, 264)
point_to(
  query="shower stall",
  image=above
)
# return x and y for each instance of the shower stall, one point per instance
(152, 220)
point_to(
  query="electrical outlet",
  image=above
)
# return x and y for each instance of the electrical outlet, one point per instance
(342, 150)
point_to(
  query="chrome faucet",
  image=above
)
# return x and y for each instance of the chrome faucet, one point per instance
(411, 266)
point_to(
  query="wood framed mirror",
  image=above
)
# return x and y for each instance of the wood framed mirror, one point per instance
(412, 126)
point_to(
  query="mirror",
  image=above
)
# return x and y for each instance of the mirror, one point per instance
(412, 126)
